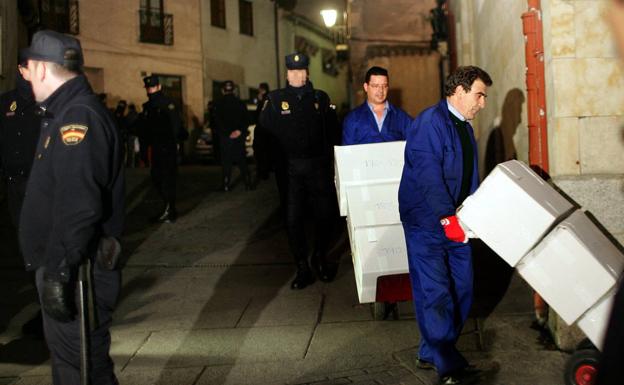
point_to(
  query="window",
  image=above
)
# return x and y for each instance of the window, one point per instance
(59, 15)
(156, 26)
(245, 14)
(217, 13)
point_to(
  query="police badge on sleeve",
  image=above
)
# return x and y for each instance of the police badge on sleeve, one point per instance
(73, 134)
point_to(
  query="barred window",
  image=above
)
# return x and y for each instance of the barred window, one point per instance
(245, 9)
(217, 13)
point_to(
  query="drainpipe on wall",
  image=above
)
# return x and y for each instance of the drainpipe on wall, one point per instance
(536, 108)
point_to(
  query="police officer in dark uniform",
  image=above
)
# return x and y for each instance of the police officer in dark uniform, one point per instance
(304, 122)
(19, 133)
(161, 125)
(74, 204)
(232, 120)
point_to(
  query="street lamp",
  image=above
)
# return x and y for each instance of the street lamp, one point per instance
(329, 17)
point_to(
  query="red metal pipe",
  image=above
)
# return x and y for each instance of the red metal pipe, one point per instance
(536, 87)
(536, 108)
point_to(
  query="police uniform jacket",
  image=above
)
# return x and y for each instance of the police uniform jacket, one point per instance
(160, 122)
(360, 126)
(432, 173)
(19, 131)
(75, 193)
(230, 114)
(302, 120)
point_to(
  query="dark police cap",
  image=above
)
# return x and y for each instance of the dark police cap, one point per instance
(151, 81)
(55, 47)
(297, 61)
(228, 85)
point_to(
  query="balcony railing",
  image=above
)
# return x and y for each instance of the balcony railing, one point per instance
(156, 27)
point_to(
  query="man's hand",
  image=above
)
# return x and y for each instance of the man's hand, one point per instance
(235, 134)
(57, 299)
(453, 229)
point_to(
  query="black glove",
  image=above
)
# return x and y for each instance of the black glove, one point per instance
(57, 298)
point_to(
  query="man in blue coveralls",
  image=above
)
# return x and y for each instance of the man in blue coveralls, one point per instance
(376, 120)
(440, 171)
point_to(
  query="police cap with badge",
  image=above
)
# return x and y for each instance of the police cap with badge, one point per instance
(297, 61)
(55, 47)
(151, 81)
(228, 86)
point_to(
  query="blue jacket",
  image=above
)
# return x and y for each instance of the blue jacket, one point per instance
(432, 173)
(360, 126)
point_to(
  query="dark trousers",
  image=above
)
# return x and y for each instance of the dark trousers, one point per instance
(442, 276)
(233, 151)
(611, 369)
(63, 339)
(165, 172)
(309, 179)
(280, 167)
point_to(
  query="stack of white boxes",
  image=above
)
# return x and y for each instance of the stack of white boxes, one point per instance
(367, 185)
(556, 248)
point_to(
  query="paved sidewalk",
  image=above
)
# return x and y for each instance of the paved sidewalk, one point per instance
(207, 300)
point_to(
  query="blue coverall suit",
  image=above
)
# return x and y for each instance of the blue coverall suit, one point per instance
(360, 126)
(440, 269)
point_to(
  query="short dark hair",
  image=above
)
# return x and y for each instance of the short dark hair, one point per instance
(264, 86)
(465, 76)
(375, 71)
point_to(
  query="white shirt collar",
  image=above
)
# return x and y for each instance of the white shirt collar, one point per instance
(455, 112)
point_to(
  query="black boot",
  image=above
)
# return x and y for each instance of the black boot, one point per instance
(168, 215)
(226, 185)
(249, 185)
(171, 214)
(326, 272)
(304, 276)
(158, 218)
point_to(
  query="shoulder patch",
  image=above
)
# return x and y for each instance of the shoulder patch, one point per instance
(73, 134)
(171, 106)
(13, 106)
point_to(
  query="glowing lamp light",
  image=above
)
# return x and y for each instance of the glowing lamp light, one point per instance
(329, 17)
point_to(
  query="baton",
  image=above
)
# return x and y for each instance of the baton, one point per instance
(84, 322)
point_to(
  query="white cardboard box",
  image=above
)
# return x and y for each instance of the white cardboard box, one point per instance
(374, 204)
(376, 251)
(595, 321)
(573, 267)
(512, 210)
(363, 164)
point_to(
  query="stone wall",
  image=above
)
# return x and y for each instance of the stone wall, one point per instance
(8, 44)
(116, 60)
(585, 88)
(489, 35)
(230, 55)
(396, 38)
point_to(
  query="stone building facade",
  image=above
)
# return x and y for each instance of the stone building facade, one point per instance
(397, 38)
(584, 93)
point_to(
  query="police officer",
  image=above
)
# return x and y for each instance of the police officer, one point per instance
(74, 202)
(304, 122)
(231, 120)
(161, 126)
(19, 132)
